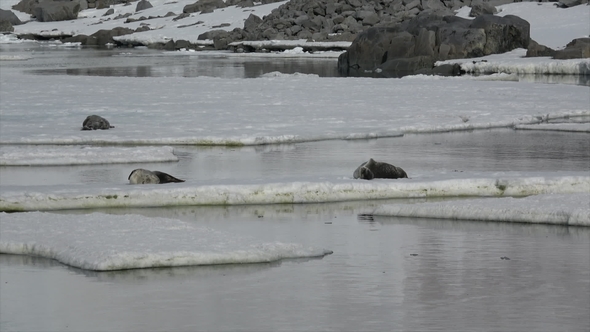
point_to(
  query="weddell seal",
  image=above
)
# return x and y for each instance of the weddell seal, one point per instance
(143, 176)
(94, 122)
(377, 170)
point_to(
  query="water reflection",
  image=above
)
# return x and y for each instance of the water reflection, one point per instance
(143, 62)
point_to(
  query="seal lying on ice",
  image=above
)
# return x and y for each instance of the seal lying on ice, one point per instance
(377, 170)
(94, 122)
(143, 176)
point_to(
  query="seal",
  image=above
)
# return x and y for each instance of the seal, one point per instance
(377, 170)
(143, 176)
(94, 122)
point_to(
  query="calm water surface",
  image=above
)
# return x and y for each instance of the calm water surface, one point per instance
(386, 274)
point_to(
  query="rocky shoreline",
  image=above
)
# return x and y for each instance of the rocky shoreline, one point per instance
(383, 35)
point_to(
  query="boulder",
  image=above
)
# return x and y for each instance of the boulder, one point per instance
(204, 6)
(26, 6)
(49, 11)
(82, 39)
(576, 49)
(416, 44)
(478, 7)
(104, 37)
(570, 3)
(535, 49)
(6, 26)
(252, 23)
(143, 4)
(10, 17)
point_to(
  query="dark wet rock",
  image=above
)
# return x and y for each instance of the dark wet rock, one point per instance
(576, 49)
(26, 6)
(104, 37)
(204, 6)
(570, 3)
(142, 28)
(120, 16)
(82, 39)
(49, 11)
(181, 43)
(181, 16)
(443, 70)
(252, 22)
(9, 17)
(110, 11)
(479, 7)
(418, 43)
(220, 38)
(142, 5)
(535, 49)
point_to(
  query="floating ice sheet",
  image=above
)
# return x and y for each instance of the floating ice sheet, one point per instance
(104, 242)
(82, 155)
(570, 209)
(284, 193)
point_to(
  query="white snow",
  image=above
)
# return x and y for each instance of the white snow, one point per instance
(189, 193)
(103, 242)
(295, 108)
(82, 155)
(559, 209)
(515, 62)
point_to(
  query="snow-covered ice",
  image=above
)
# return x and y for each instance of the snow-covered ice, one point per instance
(559, 209)
(39, 198)
(295, 108)
(82, 155)
(103, 242)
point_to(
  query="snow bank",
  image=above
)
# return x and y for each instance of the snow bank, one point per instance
(104, 242)
(569, 127)
(515, 62)
(570, 209)
(283, 193)
(268, 110)
(82, 155)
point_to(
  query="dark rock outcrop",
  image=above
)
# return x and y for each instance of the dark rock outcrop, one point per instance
(8, 20)
(576, 49)
(10, 17)
(429, 37)
(99, 38)
(143, 4)
(49, 11)
(535, 49)
(570, 3)
(204, 6)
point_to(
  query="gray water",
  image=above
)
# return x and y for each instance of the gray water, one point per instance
(386, 274)
(46, 59)
(477, 153)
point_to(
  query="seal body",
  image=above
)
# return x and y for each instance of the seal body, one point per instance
(94, 122)
(143, 176)
(377, 170)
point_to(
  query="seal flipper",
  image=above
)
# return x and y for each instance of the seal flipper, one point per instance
(166, 178)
